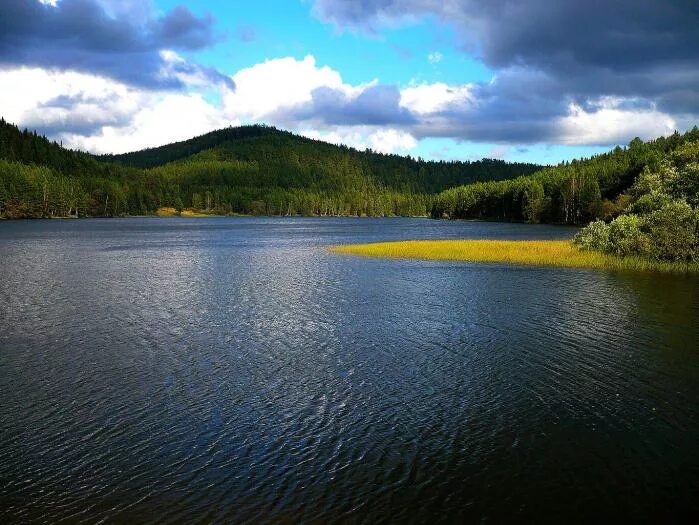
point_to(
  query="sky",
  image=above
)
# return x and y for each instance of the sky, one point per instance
(537, 81)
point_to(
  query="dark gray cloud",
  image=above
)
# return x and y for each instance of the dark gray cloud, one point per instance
(75, 114)
(81, 35)
(374, 106)
(553, 35)
(547, 54)
(507, 110)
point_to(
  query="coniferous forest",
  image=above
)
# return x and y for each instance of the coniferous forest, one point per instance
(639, 194)
(247, 170)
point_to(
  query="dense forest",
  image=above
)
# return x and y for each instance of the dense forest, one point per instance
(249, 169)
(661, 218)
(573, 192)
(642, 199)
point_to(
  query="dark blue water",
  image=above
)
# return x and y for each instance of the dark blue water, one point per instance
(232, 370)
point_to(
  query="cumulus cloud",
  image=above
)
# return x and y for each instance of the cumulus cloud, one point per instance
(100, 115)
(95, 113)
(554, 59)
(431, 98)
(612, 123)
(383, 140)
(279, 85)
(121, 40)
(164, 118)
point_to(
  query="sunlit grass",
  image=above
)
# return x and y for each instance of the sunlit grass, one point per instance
(535, 253)
(166, 212)
(196, 213)
(185, 212)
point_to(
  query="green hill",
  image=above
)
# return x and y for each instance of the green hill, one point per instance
(573, 192)
(249, 169)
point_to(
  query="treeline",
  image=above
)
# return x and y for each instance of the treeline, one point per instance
(573, 192)
(29, 191)
(252, 170)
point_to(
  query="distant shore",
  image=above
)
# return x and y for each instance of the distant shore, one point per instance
(196, 213)
(562, 254)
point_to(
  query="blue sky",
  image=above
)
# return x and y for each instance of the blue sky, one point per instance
(540, 81)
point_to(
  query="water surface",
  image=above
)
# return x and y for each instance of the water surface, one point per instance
(232, 370)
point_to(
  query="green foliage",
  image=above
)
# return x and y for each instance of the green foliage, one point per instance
(662, 221)
(650, 202)
(626, 237)
(685, 184)
(649, 191)
(583, 190)
(674, 230)
(251, 169)
(594, 236)
(534, 201)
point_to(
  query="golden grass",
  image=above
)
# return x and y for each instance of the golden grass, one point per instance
(185, 212)
(166, 212)
(535, 253)
(193, 213)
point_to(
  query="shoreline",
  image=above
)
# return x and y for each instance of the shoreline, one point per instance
(557, 254)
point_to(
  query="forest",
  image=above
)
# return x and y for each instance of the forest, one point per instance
(640, 200)
(247, 170)
(574, 192)
(661, 219)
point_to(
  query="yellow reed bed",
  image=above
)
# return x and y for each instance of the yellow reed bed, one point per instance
(534, 253)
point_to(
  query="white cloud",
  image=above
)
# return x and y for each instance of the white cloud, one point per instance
(391, 141)
(166, 118)
(383, 140)
(283, 83)
(28, 94)
(104, 116)
(101, 115)
(430, 98)
(611, 123)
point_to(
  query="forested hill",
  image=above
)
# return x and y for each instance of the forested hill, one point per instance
(28, 147)
(295, 155)
(250, 169)
(574, 192)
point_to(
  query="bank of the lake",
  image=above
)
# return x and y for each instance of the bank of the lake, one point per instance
(556, 253)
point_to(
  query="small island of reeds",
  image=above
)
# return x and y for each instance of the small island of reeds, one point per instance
(534, 253)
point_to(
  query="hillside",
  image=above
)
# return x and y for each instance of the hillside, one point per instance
(573, 192)
(250, 169)
(281, 151)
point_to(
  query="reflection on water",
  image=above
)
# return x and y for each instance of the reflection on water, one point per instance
(233, 370)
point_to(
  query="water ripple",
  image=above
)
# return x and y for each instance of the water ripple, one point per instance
(218, 370)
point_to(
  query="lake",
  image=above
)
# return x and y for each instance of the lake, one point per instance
(233, 370)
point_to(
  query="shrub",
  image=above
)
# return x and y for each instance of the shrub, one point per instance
(646, 182)
(686, 184)
(673, 229)
(626, 236)
(650, 202)
(594, 236)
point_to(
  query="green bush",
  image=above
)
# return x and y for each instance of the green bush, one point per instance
(686, 184)
(673, 230)
(626, 236)
(594, 236)
(649, 203)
